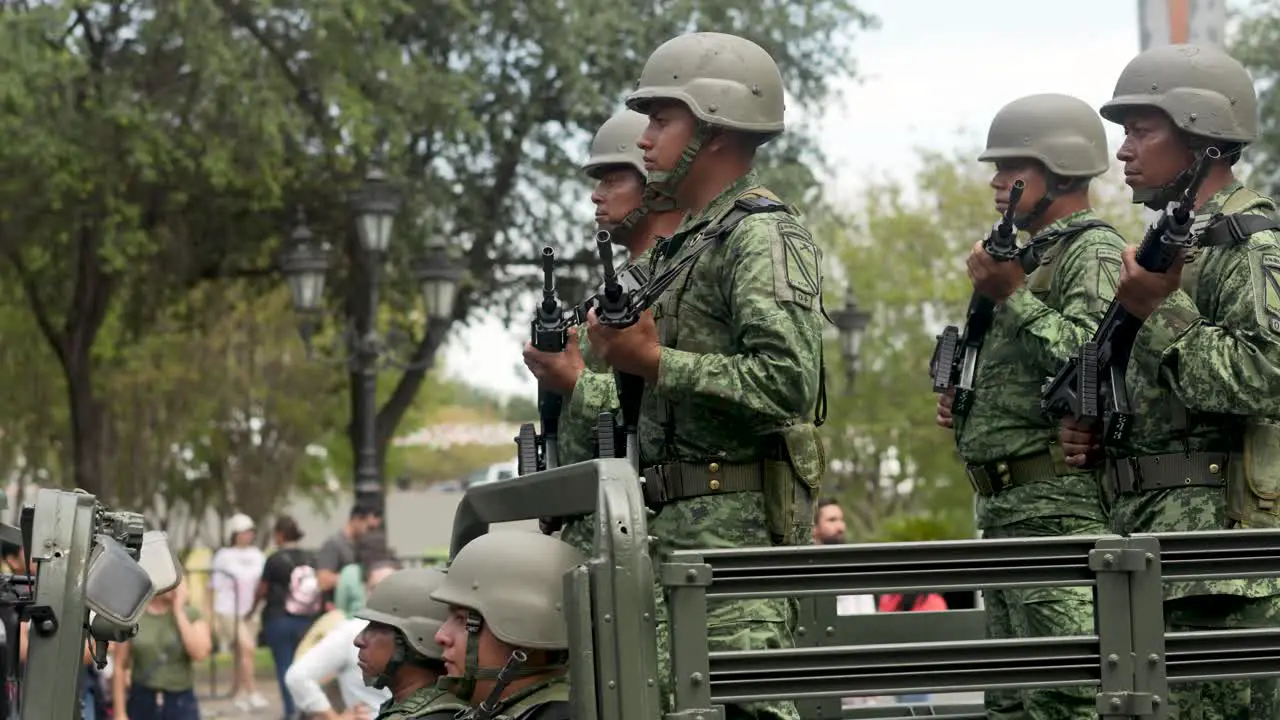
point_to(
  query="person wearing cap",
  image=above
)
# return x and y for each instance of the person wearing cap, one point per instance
(1203, 451)
(505, 594)
(397, 649)
(234, 573)
(1049, 300)
(634, 219)
(731, 354)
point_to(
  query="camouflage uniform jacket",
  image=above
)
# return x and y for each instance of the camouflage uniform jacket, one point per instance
(1213, 348)
(420, 703)
(1033, 333)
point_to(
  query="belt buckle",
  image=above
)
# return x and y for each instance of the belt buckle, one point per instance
(654, 487)
(1003, 476)
(979, 479)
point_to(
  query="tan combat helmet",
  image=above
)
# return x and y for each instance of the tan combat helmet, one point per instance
(615, 144)
(403, 601)
(513, 583)
(1206, 92)
(726, 81)
(1062, 132)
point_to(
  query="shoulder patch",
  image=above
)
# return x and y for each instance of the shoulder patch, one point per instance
(1266, 288)
(796, 264)
(1109, 264)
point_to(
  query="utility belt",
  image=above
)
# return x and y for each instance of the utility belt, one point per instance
(995, 477)
(681, 480)
(1159, 472)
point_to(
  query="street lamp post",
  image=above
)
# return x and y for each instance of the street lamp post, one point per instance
(305, 263)
(851, 321)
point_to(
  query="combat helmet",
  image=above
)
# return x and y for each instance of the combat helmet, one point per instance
(403, 601)
(726, 81)
(1062, 132)
(1205, 92)
(512, 583)
(615, 145)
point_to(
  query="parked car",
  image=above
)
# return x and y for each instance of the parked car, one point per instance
(493, 473)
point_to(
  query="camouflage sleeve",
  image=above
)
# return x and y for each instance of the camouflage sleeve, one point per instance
(771, 279)
(1087, 275)
(1232, 366)
(595, 393)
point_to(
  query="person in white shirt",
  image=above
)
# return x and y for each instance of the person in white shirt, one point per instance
(335, 656)
(233, 580)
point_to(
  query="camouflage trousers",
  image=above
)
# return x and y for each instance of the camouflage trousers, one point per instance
(1041, 612)
(1210, 604)
(1223, 699)
(724, 521)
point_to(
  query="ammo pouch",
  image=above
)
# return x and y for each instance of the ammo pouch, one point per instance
(792, 484)
(1253, 477)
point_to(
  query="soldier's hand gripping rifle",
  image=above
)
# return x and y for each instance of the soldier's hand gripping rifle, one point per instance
(1091, 385)
(955, 357)
(618, 307)
(549, 332)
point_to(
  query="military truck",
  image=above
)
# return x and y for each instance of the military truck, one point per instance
(1130, 659)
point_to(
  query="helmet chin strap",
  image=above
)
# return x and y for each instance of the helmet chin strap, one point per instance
(1158, 198)
(464, 687)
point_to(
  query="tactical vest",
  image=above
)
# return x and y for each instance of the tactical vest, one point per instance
(421, 703)
(789, 485)
(549, 701)
(1039, 264)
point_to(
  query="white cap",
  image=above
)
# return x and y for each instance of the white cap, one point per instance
(239, 523)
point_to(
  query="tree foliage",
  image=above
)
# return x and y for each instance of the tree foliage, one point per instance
(1257, 45)
(155, 146)
(903, 252)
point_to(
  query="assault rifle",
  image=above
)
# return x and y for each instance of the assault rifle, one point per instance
(1091, 385)
(550, 333)
(620, 307)
(955, 357)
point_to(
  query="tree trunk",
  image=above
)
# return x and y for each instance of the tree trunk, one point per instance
(86, 428)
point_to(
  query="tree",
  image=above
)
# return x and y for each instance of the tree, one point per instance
(905, 259)
(490, 154)
(1257, 45)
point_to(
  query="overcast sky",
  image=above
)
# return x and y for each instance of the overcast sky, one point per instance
(932, 76)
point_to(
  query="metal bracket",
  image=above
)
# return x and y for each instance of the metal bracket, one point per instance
(675, 574)
(1128, 586)
(1126, 705)
(1120, 559)
(42, 619)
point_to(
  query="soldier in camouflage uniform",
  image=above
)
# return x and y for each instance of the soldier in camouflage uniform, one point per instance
(1205, 371)
(1055, 144)
(397, 649)
(731, 353)
(635, 221)
(505, 592)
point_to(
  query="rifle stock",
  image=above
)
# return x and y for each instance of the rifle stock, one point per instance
(1091, 385)
(955, 356)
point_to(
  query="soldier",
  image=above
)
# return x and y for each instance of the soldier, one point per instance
(1205, 369)
(1048, 302)
(398, 650)
(505, 641)
(731, 354)
(635, 220)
